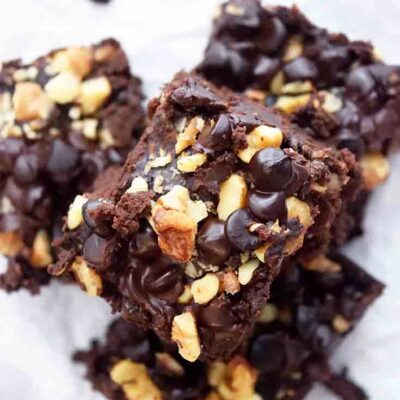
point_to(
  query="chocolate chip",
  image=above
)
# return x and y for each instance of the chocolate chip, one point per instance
(215, 138)
(98, 252)
(347, 140)
(266, 68)
(145, 245)
(63, 159)
(267, 353)
(300, 69)
(360, 82)
(217, 315)
(212, 244)
(271, 169)
(274, 35)
(237, 230)
(100, 226)
(26, 168)
(10, 148)
(267, 206)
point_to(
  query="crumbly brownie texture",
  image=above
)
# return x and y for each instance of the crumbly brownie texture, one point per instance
(312, 312)
(63, 119)
(218, 191)
(339, 90)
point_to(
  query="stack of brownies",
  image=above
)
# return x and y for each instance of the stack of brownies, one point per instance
(214, 234)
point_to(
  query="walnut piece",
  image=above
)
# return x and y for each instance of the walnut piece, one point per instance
(94, 92)
(10, 243)
(77, 60)
(340, 324)
(375, 167)
(246, 271)
(233, 381)
(63, 88)
(205, 288)
(138, 184)
(188, 136)
(259, 138)
(232, 196)
(135, 381)
(268, 314)
(191, 163)
(87, 277)
(321, 264)
(74, 216)
(30, 102)
(289, 104)
(184, 333)
(41, 256)
(230, 283)
(168, 363)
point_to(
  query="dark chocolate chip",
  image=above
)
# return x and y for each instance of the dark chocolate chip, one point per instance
(98, 252)
(216, 138)
(212, 244)
(63, 159)
(145, 245)
(274, 35)
(101, 227)
(268, 206)
(26, 168)
(237, 230)
(217, 316)
(300, 69)
(266, 68)
(267, 353)
(10, 148)
(360, 82)
(271, 170)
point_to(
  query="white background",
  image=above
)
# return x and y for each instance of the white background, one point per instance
(37, 335)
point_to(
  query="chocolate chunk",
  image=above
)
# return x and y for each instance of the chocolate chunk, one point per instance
(93, 219)
(268, 206)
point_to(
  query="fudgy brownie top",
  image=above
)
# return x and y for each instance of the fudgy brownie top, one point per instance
(310, 313)
(63, 119)
(294, 65)
(218, 191)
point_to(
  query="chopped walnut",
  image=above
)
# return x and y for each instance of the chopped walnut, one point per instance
(205, 288)
(331, 103)
(232, 196)
(297, 87)
(87, 277)
(41, 255)
(246, 271)
(186, 296)
(375, 167)
(74, 216)
(30, 102)
(268, 314)
(230, 283)
(321, 264)
(138, 184)
(135, 381)
(294, 48)
(235, 10)
(277, 83)
(184, 333)
(233, 381)
(10, 243)
(94, 92)
(191, 163)
(187, 137)
(259, 138)
(63, 88)
(340, 324)
(289, 104)
(77, 60)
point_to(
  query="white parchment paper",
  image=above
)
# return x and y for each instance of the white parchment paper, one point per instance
(38, 335)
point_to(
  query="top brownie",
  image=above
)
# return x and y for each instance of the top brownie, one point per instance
(338, 90)
(216, 194)
(64, 118)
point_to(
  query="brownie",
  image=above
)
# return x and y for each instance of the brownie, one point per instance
(219, 190)
(64, 118)
(309, 315)
(339, 90)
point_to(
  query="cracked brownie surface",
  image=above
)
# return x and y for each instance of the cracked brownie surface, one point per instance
(64, 118)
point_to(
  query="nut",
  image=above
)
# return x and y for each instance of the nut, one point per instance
(187, 137)
(331, 103)
(246, 271)
(63, 88)
(191, 163)
(297, 87)
(236, 381)
(74, 216)
(139, 184)
(158, 162)
(260, 251)
(235, 10)
(94, 92)
(232, 196)
(277, 83)
(340, 324)
(135, 381)
(231, 283)
(213, 396)
(88, 277)
(205, 289)
(299, 209)
(167, 362)
(289, 104)
(259, 138)
(321, 264)
(30, 102)
(293, 49)
(375, 167)
(41, 255)
(184, 333)
(106, 138)
(77, 60)
(10, 243)
(89, 128)
(186, 296)
(268, 314)
(176, 233)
